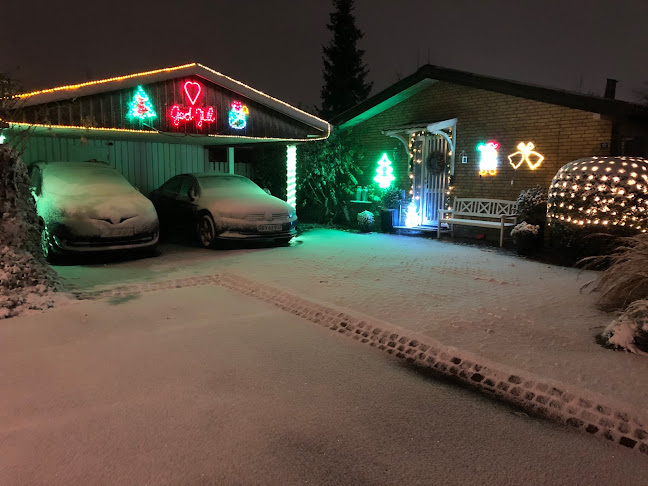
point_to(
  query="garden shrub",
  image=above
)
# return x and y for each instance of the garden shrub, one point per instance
(327, 174)
(23, 269)
(365, 221)
(623, 286)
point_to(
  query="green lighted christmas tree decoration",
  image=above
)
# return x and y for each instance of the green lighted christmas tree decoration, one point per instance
(384, 172)
(141, 107)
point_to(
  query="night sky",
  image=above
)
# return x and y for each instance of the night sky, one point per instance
(275, 46)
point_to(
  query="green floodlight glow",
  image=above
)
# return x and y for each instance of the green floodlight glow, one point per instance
(2, 139)
(141, 106)
(384, 172)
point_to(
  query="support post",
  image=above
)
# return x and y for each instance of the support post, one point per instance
(230, 160)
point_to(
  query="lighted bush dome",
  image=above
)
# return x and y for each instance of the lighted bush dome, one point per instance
(601, 192)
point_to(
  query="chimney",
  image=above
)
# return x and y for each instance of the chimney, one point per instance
(610, 88)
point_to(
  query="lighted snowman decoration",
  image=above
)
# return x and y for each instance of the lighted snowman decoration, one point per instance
(488, 161)
(238, 115)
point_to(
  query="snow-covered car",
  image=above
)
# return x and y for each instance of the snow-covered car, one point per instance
(90, 207)
(216, 206)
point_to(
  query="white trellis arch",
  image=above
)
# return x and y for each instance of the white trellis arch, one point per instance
(438, 129)
(430, 189)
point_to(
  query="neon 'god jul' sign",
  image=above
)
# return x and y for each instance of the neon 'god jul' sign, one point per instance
(192, 113)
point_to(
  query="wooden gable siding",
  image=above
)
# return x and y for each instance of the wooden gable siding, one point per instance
(146, 165)
(109, 110)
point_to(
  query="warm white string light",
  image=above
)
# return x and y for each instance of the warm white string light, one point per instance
(291, 175)
(607, 200)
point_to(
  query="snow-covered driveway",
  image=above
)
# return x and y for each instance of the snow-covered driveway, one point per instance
(205, 386)
(521, 313)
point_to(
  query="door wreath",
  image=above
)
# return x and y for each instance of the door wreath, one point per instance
(436, 162)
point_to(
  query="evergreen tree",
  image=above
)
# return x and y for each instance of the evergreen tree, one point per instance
(344, 72)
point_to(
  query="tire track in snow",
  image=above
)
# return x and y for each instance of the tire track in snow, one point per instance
(566, 404)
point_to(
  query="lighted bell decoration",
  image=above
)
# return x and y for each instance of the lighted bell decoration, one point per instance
(602, 192)
(525, 153)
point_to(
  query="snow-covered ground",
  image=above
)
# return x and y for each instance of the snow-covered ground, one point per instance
(206, 386)
(517, 312)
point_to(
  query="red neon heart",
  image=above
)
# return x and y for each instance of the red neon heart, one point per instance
(192, 90)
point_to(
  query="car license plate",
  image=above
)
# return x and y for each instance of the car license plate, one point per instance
(269, 227)
(121, 232)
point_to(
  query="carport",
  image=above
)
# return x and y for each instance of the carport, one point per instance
(156, 124)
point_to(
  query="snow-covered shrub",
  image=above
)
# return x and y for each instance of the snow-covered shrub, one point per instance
(606, 193)
(365, 221)
(392, 197)
(525, 228)
(626, 277)
(630, 330)
(327, 178)
(23, 283)
(24, 273)
(532, 205)
(596, 199)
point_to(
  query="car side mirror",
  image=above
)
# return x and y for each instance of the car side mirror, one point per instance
(192, 195)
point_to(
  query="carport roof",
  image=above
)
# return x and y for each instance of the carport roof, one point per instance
(41, 111)
(130, 80)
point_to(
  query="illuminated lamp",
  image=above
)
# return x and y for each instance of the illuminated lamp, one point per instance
(2, 139)
(585, 193)
(412, 217)
(488, 160)
(238, 115)
(291, 175)
(526, 154)
(384, 172)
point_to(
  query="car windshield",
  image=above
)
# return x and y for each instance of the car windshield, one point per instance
(215, 185)
(84, 181)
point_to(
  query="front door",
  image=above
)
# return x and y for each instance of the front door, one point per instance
(435, 178)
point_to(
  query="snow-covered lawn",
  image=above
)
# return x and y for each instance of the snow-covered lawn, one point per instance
(517, 312)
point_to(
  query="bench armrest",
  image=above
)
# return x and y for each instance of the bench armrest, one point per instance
(441, 211)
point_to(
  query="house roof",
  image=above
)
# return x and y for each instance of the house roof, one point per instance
(428, 75)
(130, 80)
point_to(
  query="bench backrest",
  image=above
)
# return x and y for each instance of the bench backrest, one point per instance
(493, 208)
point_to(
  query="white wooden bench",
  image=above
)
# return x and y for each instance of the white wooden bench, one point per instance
(484, 213)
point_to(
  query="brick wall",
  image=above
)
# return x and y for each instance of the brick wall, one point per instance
(560, 134)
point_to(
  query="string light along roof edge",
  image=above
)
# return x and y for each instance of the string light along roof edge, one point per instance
(131, 80)
(171, 135)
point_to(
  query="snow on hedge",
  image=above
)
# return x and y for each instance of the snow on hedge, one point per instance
(630, 330)
(26, 280)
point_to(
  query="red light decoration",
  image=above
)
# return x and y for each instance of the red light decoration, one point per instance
(191, 87)
(177, 114)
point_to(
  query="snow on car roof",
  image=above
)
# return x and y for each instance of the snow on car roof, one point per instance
(95, 164)
(200, 175)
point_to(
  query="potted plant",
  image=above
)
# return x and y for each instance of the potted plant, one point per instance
(365, 221)
(390, 204)
(526, 237)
